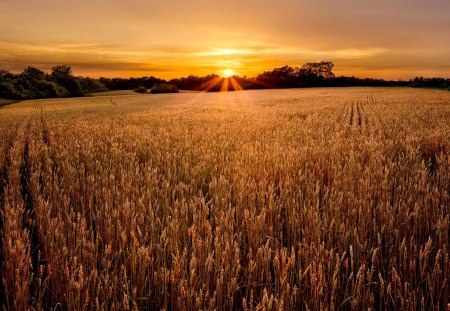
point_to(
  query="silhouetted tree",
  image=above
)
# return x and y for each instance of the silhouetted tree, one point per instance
(32, 73)
(282, 77)
(131, 83)
(5, 74)
(439, 83)
(321, 69)
(89, 85)
(62, 75)
(196, 83)
(31, 83)
(61, 72)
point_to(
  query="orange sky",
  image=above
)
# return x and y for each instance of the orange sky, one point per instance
(384, 39)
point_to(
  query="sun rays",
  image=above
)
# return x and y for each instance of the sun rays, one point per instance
(225, 84)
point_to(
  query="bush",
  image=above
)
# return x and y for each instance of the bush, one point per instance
(164, 88)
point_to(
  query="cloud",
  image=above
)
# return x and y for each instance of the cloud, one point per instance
(173, 38)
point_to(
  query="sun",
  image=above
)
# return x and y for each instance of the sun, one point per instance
(228, 73)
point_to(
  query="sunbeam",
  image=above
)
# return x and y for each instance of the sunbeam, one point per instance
(221, 84)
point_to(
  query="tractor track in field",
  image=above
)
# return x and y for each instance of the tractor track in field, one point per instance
(361, 116)
(354, 115)
(373, 110)
(36, 130)
(347, 115)
(364, 120)
(43, 134)
(358, 112)
(29, 219)
(29, 216)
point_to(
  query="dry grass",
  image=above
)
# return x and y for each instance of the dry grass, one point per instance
(259, 200)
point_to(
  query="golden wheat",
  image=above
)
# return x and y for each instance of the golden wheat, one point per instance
(259, 200)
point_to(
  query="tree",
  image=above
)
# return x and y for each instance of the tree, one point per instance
(33, 74)
(61, 72)
(5, 74)
(89, 85)
(62, 75)
(322, 70)
(279, 77)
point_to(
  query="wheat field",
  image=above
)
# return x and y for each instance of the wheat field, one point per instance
(310, 199)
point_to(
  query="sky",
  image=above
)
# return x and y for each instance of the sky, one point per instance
(391, 39)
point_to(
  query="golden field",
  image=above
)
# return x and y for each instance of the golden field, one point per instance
(311, 199)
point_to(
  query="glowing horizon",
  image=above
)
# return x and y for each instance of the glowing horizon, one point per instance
(380, 39)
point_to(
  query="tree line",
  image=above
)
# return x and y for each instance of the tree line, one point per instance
(34, 83)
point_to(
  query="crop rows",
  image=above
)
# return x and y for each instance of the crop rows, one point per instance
(260, 200)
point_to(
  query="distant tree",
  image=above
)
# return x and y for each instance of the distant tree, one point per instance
(131, 83)
(31, 83)
(61, 72)
(5, 74)
(439, 83)
(321, 69)
(281, 77)
(62, 75)
(196, 83)
(33, 74)
(89, 85)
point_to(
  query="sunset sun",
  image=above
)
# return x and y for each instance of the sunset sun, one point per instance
(228, 73)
